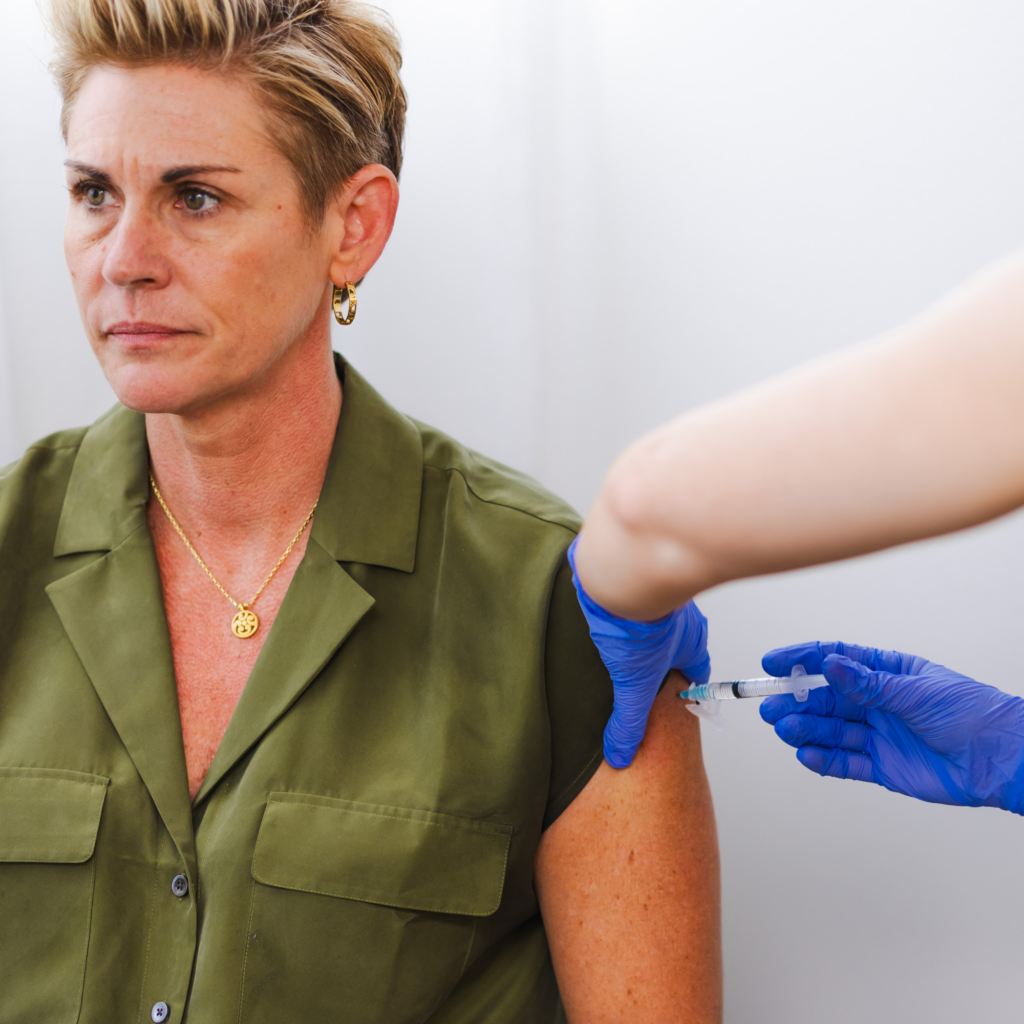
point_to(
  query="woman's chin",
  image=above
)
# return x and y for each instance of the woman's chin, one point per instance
(152, 389)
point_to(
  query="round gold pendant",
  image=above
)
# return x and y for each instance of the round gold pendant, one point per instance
(244, 624)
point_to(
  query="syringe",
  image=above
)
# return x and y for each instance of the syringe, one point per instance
(763, 686)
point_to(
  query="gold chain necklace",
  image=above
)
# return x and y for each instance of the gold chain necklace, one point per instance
(245, 622)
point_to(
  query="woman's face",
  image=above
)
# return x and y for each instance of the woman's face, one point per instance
(193, 265)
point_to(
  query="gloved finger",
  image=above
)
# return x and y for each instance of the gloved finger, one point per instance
(697, 673)
(781, 660)
(822, 700)
(813, 730)
(691, 657)
(774, 708)
(897, 694)
(840, 764)
(880, 660)
(625, 729)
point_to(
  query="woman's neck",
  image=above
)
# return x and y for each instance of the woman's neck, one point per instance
(249, 467)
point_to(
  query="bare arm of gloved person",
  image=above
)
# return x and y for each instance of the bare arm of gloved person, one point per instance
(917, 433)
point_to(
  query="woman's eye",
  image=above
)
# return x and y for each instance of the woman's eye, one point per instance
(198, 201)
(94, 195)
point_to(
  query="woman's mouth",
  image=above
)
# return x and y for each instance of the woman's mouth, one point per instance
(141, 333)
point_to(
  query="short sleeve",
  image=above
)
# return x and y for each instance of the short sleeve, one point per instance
(579, 695)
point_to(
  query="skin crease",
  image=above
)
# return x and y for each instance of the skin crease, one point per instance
(241, 408)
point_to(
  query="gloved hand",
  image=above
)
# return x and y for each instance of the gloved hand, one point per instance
(638, 656)
(904, 723)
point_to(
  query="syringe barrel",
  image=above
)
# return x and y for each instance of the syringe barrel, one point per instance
(766, 687)
(761, 687)
(714, 691)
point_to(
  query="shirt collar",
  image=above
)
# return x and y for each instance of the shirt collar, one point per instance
(369, 506)
(106, 496)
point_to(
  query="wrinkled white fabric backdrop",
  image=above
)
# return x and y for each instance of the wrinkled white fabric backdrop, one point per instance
(613, 211)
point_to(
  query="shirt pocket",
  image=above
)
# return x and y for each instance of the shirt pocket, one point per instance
(49, 821)
(364, 909)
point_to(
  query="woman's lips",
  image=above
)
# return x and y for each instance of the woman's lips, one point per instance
(140, 333)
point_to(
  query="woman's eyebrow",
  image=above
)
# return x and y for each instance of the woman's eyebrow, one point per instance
(177, 173)
(168, 177)
(92, 172)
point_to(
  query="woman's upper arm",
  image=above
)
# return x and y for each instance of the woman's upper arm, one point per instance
(628, 883)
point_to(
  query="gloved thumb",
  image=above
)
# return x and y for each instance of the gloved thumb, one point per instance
(857, 682)
(624, 731)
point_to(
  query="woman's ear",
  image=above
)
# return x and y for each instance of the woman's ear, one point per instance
(360, 220)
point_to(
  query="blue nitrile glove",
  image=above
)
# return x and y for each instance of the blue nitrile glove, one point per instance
(905, 723)
(638, 656)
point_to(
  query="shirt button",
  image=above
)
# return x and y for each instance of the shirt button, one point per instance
(179, 886)
(160, 1012)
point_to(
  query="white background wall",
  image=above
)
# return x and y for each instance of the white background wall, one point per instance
(613, 211)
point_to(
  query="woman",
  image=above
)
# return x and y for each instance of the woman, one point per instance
(916, 434)
(299, 718)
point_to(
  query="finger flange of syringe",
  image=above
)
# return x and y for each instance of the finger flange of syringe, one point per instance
(763, 686)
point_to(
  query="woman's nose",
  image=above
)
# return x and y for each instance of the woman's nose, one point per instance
(136, 254)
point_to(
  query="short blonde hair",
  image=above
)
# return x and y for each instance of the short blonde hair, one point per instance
(328, 70)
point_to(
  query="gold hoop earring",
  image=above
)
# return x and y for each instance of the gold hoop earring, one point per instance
(338, 300)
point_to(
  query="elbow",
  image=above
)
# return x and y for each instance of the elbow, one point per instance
(643, 508)
(630, 496)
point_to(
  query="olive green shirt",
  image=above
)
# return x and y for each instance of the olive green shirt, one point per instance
(427, 702)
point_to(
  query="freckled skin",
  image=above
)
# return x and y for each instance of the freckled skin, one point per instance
(634, 864)
(211, 665)
(241, 402)
(239, 388)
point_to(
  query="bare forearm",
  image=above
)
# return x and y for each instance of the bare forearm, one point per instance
(628, 882)
(918, 433)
